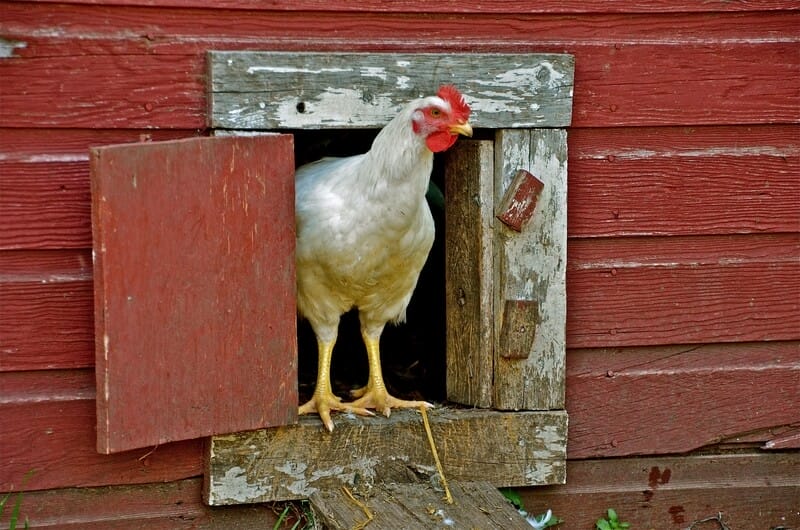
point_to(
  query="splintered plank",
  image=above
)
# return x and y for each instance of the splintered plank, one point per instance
(476, 505)
(277, 90)
(296, 461)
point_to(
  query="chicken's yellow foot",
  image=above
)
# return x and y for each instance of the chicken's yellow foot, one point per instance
(374, 395)
(324, 401)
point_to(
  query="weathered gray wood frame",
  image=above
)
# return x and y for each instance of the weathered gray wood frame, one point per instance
(506, 291)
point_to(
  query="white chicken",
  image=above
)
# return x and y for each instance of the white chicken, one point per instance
(364, 231)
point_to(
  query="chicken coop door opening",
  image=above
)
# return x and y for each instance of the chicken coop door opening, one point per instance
(413, 353)
(486, 323)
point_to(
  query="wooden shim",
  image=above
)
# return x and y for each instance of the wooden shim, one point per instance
(519, 202)
(277, 90)
(468, 287)
(294, 462)
(476, 505)
(531, 266)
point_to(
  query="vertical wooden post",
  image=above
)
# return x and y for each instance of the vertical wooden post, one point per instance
(469, 227)
(530, 272)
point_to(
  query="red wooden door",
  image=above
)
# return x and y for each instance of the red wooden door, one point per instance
(194, 288)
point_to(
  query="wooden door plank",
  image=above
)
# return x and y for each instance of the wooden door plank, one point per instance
(476, 505)
(285, 90)
(469, 225)
(194, 288)
(530, 270)
(296, 461)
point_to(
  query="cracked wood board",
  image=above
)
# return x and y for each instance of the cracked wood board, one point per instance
(476, 505)
(289, 90)
(294, 462)
(530, 267)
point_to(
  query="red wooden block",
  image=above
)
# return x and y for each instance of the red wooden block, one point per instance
(520, 199)
(194, 288)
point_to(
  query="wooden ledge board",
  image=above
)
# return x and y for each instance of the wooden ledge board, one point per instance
(476, 505)
(295, 461)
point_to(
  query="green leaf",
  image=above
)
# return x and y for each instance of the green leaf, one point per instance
(513, 497)
(612, 515)
(602, 524)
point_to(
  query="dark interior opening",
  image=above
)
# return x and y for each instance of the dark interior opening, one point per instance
(412, 354)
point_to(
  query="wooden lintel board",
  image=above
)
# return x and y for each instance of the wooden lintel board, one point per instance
(297, 461)
(419, 506)
(530, 266)
(290, 90)
(194, 288)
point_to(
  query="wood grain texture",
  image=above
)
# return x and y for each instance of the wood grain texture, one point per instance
(683, 181)
(687, 396)
(46, 317)
(293, 462)
(420, 506)
(531, 266)
(471, 6)
(621, 292)
(273, 90)
(623, 61)
(194, 288)
(48, 420)
(159, 506)
(678, 181)
(650, 291)
(751, 490)
(469, 255)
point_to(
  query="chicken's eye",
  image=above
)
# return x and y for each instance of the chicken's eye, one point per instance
(435, 113)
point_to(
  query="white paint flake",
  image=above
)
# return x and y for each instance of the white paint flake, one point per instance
(234, 486)
(402, 81)
(7, 47)
(374, 71)
(294, 70)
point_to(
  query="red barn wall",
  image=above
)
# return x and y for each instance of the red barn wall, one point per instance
(683, 383)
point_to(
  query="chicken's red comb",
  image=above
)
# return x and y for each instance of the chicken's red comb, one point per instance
(451, 94)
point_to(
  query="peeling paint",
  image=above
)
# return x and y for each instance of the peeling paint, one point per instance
(234, 486)
(293, 70)
(7, 47)
(339, 106)
(374, 71)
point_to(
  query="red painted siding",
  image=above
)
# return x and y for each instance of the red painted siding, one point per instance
(683, 272)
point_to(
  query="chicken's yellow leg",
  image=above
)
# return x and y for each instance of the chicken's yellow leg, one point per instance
(374, 395)
(324, 401)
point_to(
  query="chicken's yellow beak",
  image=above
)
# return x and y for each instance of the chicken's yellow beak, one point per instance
(462, 127)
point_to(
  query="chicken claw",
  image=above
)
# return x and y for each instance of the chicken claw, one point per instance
(323, 403)
(379, 399)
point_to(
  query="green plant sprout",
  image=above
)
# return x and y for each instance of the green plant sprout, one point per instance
(545, 520)
(611, 522)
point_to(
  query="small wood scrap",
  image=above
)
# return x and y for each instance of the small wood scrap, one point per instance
(477, 505)
(519, 201)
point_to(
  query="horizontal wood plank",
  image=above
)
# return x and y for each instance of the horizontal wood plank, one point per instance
(619, 79)
(678, 290)
(293, 462)
(668, 172)
(420, 506)
(687, 396)
(285, 90)
(49, 417)
(159, 506)
(471, 6)
(621, 292)
(750, 490)
(670, 181)
(46, 321)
